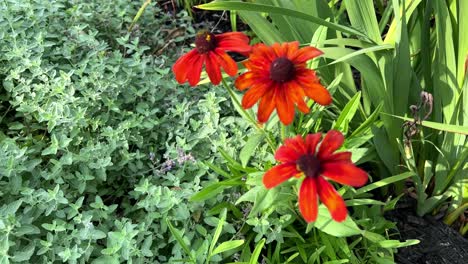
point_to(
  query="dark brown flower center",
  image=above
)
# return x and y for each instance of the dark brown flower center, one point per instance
(205, 41)
(309, 165)
(281, 70)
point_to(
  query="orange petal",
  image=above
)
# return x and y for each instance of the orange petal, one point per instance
(212, 68)
(183, 65)
(254, 94)
(263, 51)
(345, 173)
(296, 93)
(312, 141)
(311, 85)
(332, 141)
(277, 49)
(293, 47)
(228, 64)
(266, 106)
(332, 200)
(245, 80)
(279, 174)
(308, 204)
(284, 107)
(286, 154)
(318, 93)
(305, 54)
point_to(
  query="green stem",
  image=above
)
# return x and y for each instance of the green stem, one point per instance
(249, 117)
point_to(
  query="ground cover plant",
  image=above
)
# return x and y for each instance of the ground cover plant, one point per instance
(127, 136)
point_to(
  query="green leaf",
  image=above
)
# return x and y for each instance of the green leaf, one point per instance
(439, 126)
(219, 228)
(24, 254)
(249, 148)
(397, 243)
(257, 251)
(326, 224)
(445, 85)
(363, 17)
(357, 202)
(264, 199)
(367, 124)
(240, 6)
(462, 43)
(267, 32)
(180, 240)
(228, 245)
(385, 182)
(214, 189)
(106, 260)
(348, 113)
(27, 229)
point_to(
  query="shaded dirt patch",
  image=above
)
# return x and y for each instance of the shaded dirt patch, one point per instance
(439, 243)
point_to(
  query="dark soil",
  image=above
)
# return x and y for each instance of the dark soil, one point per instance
(439, 243)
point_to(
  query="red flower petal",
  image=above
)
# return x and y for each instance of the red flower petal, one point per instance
(183, 65)
(340, 156)
(312, 141)
(279, 174)
(308, 204)
(266, 106)
(286, 154)
(344, 172)
(305, 54)
(226, 62)
(254, 94)
(332, 141)
(212, 68)
(296, 143)
(285, 107)
(332, 200)
(234, 41)
(193, 76)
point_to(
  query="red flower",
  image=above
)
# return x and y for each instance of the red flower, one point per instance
(210, 50)
(278, 77)
(299, 157)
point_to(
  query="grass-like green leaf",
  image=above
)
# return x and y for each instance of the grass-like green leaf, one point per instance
(348, 113)
(248, 150)
(384, 182)
(279, 10)
(257, 251)
(228, 245)
(217, 233)
(363, 17)
(180, 240)
(439, 126)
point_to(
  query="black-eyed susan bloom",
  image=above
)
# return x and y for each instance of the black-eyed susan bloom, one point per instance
(300, 158)
(278, 77)
(210, 51)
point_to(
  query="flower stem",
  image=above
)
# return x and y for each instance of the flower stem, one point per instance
(249, 117)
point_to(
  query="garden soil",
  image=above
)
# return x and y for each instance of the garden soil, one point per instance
(439, 243)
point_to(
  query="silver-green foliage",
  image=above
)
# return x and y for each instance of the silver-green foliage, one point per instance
(95, 135)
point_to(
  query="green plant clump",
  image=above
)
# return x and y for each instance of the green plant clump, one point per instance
(97, 143)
